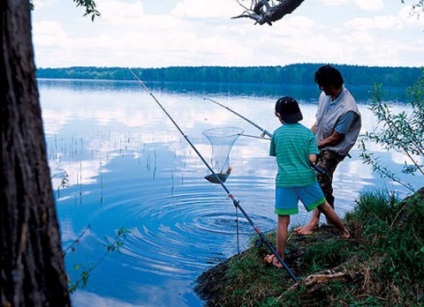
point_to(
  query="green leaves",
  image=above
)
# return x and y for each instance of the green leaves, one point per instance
(83, 271)
(402, 132)
(89, 5)
(90, 8)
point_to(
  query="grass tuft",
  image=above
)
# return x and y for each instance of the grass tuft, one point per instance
(380, 265)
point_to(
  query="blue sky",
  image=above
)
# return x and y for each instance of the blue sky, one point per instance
(161, 33)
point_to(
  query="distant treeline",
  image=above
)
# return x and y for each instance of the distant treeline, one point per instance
(296, 73)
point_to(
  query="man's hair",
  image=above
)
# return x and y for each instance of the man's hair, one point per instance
(327, 76)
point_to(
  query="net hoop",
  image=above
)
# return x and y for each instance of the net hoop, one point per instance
(222, 140)
(223, 132)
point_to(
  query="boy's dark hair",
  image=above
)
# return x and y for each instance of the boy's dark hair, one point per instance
(328, 75)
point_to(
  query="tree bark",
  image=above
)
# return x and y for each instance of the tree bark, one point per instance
(32, 266)
(264, 12)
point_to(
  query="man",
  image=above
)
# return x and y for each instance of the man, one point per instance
(337, 127)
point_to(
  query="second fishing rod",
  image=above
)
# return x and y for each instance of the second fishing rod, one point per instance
(236, 202)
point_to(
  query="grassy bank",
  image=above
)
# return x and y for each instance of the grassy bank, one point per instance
(382, 264)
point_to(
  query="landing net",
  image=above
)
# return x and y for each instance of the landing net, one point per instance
(222, 140)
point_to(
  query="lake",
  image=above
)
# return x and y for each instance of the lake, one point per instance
(119, 164)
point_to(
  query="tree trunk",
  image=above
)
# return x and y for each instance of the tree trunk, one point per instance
(32, 266)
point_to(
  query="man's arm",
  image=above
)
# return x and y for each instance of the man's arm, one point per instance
(340, 130)
(332, 140)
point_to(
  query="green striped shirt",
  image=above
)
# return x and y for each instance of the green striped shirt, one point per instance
(292, 144)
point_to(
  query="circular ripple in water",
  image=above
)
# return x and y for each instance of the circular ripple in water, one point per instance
(184, 233)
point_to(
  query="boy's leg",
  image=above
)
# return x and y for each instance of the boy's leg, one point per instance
(286, 203)
(282, 229)
(334, 219)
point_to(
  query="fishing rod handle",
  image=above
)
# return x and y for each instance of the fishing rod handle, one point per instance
(265, 132)
(318, 169)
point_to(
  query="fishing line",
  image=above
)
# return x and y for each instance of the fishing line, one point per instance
(236, 202)
(238, 231)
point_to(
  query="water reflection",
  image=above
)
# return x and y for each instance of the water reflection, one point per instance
(117, 161)
(308, 92)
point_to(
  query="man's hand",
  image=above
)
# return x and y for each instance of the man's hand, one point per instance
(332, 140)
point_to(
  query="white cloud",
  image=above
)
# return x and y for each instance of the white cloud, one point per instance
(51, 33)
(370, 5)
(117, 12)
(378, 22)
(84, 298)
(206, 9)
(43, 3)
(203, 33)
(334, 2)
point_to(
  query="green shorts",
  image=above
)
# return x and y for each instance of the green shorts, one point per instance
(287, 199)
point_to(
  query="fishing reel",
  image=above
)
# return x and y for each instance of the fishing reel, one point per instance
(259, 242)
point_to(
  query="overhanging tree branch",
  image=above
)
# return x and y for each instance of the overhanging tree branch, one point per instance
(268, 11)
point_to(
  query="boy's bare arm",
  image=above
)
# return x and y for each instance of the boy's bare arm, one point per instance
(314, 128)
(313, 158)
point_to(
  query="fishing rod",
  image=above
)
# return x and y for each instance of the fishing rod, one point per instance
(317, 168)
(264, 132)
(236, 202)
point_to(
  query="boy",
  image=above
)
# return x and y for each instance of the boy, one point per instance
(295, 147)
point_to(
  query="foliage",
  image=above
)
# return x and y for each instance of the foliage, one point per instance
(83, 271)
(90, 8)
(89, 5)
(417, 8)
(403, 133)
(396, 233)
(64, 183)
(383, 257)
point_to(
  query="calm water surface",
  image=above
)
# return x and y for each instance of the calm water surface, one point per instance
(118, 162)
